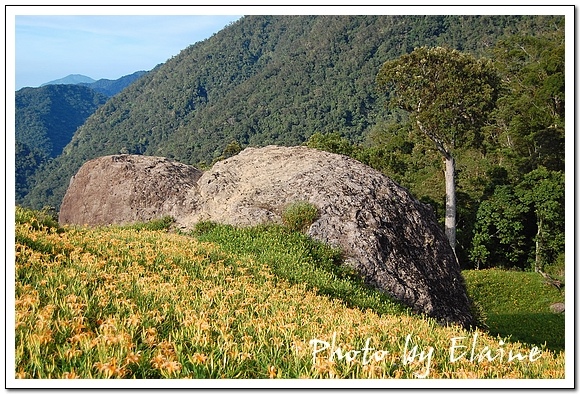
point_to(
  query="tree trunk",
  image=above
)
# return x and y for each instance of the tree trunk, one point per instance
(450, 201)
(537, 265)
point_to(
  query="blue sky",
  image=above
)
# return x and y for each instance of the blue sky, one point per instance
(51, 42)
(49, 47)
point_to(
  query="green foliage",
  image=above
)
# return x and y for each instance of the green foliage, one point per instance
(558, 268)
(543, 191)
(518, 135)
(499, 237)
(448, 93)
(332, 142)
(47, 117)
(299, 216)
(517, 306)
(529, 123)
(232, 149)
(28, 161)
(384, 156)
(515, 221)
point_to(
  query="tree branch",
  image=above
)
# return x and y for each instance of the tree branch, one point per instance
(438, 142)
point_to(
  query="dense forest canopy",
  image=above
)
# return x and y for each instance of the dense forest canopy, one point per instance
(291, 80)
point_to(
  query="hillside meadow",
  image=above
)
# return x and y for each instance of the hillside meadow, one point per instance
(144, 302)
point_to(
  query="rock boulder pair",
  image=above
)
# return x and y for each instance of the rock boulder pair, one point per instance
(388, 236)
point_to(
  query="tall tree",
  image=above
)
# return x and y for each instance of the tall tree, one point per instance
(448, 95)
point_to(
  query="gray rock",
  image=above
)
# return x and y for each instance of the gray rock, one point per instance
(557, 307)
(122, 189)
(389, 237)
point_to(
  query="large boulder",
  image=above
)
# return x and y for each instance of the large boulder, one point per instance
(389, 237)
(122, 189)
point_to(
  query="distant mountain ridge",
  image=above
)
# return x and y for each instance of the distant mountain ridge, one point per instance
(71, 79)
(47, 117)
(110, 87)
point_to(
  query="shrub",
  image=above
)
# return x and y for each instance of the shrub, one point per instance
(203, 227)
(299, 216)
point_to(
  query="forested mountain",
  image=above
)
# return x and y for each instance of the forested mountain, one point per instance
(46, 119)
(291, 79)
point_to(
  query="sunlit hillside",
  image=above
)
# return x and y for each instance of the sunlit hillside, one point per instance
(139, 302)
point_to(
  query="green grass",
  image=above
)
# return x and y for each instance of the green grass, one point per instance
(299, 216)
(295, 257)
(517, 305)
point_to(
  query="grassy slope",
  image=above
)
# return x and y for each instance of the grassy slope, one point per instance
(135, 302)
(517, 304)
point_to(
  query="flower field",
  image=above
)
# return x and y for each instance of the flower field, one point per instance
(137, 303)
